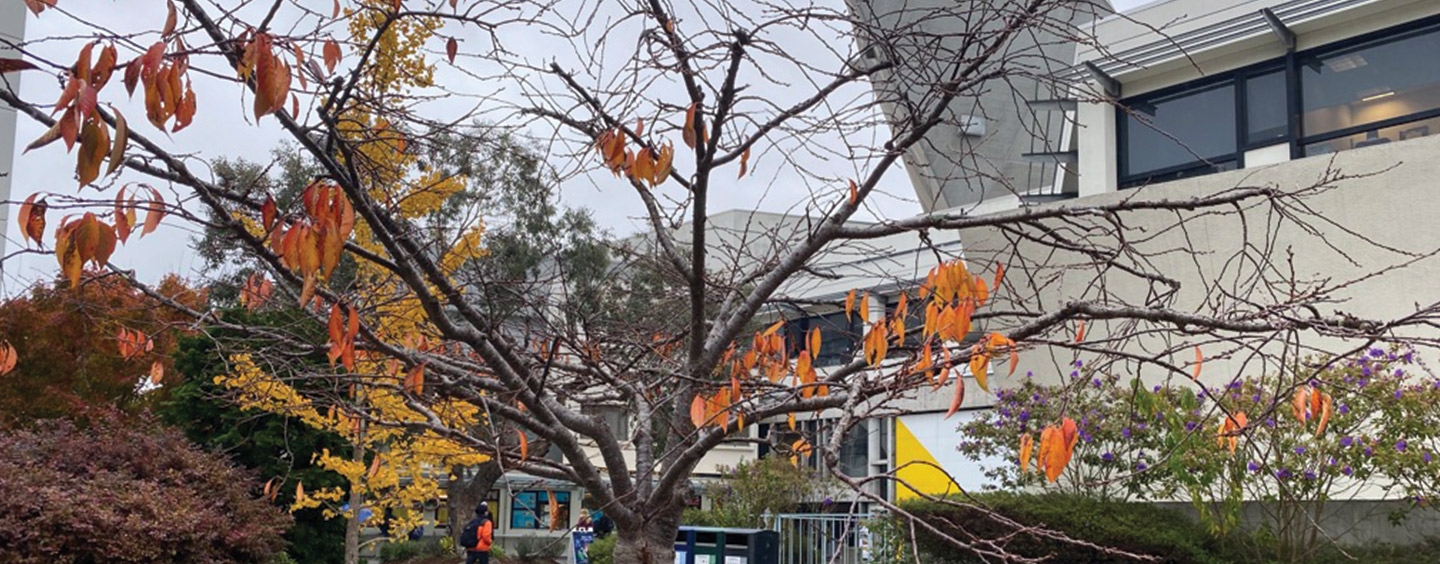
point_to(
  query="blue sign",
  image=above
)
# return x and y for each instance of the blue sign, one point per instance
(583, 537)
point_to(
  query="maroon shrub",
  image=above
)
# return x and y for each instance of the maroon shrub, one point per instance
(127, 492)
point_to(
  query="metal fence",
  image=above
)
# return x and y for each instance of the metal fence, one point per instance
(822, 538)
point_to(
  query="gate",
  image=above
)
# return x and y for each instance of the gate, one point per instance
(823, 538)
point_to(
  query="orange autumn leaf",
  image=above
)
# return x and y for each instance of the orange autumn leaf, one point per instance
(980, 367)
(524, 445)
(744, 163)
(331, 53)
(1299, 402)
(8, 358)
(1326, 409)
(865, 308)
(1230, 430)
(959, 398)
(1027, 444)
(697, 411)
(32, 219)
(849, 299)
(1080, 332)
(854, 193)
(374, 467)
(415, 380)
(999, 277)
(1199, 361)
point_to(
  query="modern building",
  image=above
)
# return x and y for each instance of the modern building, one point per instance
(1180, 99)
(12, 32)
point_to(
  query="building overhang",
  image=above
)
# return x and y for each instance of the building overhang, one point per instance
(1263, 25)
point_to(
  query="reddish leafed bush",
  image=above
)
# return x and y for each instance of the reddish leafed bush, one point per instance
(127, 492)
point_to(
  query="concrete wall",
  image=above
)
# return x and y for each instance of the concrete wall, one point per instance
(1389, 202)
(975, 153)
(12, 29)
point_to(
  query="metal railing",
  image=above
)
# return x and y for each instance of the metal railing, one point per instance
(824, 538)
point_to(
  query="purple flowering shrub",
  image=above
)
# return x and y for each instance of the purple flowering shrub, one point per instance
(1118, 441)
(1382, 436)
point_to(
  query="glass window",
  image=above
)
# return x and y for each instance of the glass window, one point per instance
(839, 337)
(1379, 136)
(1265, 109)
(855, 451)
(1179, 131)
(531, 509)
(1380, 80)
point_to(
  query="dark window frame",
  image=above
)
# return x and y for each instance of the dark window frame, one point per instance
(1296, 137)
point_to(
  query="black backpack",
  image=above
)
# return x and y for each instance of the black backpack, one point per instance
(471, 535)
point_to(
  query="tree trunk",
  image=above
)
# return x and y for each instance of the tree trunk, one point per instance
(352, 525)
(462, 496)
(650, 542)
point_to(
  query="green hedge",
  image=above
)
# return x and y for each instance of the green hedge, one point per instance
(1139, 528)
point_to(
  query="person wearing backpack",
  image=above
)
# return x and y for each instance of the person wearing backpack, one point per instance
(477, 536)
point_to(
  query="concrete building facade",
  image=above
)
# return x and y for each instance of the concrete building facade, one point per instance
(12, 32)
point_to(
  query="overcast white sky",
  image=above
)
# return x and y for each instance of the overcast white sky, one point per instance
(220, 129)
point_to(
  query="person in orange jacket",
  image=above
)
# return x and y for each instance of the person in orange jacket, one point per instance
(477, 536)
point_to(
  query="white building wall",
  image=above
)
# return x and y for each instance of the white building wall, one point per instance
(12, 29)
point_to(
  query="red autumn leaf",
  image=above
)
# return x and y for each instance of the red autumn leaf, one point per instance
(959, 397)
(268, 213)
(155, 212)
(450, 48)
(14, 65)
(331, 53)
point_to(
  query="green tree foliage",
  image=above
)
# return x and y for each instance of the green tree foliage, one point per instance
(753, 488)
(272, 445)
(130, 492)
